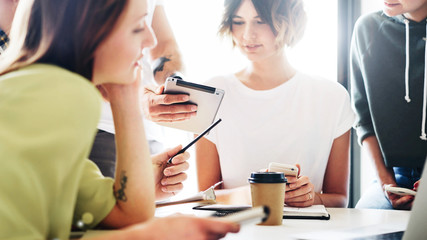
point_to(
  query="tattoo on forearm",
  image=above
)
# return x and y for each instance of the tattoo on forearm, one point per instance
(159, 63)
(120, 194)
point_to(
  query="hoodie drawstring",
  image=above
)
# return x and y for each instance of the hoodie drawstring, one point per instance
(423, 122)
(407, 98)
(406, 21)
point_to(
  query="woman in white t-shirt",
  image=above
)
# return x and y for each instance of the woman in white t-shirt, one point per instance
(274, 113)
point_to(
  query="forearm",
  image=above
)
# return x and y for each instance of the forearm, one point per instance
(337, 175)
(166, 61)
(134, 184)
(166, 47)
(238, 196)
(385, 175)
(331, 199)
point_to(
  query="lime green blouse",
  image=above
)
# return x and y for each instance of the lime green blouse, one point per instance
(48, 120)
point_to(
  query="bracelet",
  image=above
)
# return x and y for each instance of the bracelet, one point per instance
(318, 195)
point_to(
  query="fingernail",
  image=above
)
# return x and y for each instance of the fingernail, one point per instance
(164, 182)
(167, 172)
(193, 108)
(164, 189)
(236, 228)
(185, 98)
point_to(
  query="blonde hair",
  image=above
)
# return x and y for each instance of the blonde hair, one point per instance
(65, 33)
(286, 18)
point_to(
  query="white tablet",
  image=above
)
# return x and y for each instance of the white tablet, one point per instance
(208, 99)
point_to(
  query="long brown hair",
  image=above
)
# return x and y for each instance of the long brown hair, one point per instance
(65, 33)
(286, 18)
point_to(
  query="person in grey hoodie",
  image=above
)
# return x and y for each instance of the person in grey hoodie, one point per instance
(389, 94)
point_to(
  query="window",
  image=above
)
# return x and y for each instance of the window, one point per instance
(367, 173)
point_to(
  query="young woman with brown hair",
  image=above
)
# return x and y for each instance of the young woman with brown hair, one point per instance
(61, 50)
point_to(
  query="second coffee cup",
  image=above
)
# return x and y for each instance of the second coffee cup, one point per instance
(268, 189)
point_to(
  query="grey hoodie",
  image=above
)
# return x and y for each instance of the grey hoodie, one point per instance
(389, 86)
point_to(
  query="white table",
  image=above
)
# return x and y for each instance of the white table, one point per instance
(345, 223)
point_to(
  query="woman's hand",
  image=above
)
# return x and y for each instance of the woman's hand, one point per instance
(179, 227)
(398, 201)
(299, 192)
(169, 177)
(113, 91)
(159, 107)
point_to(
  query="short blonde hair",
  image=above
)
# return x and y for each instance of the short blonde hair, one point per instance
(286, 18)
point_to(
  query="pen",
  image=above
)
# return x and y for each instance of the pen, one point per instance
(195, 140)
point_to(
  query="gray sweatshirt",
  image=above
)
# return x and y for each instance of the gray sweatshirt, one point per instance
(389, 86)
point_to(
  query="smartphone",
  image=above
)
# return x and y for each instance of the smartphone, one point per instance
(400, 191)
(287, 169)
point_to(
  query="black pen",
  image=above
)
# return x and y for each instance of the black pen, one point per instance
(195, 140)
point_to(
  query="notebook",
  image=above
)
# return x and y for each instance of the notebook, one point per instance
(312, 212)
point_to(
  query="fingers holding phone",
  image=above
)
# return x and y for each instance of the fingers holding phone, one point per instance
(299, 189)
(400, 198)
(299, 192)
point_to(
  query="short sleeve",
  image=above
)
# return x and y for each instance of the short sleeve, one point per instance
(47, 124)
(211, 136)
(160, 2)
(95, 195)
(346, 115)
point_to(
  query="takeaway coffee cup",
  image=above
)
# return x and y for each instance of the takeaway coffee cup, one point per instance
(268, 189)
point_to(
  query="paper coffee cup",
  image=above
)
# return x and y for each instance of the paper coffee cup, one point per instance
(268, 189)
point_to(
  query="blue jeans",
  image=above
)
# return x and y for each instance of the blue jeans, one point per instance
(374, 196)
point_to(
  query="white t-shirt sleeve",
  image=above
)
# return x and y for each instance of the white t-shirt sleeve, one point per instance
(346, 117)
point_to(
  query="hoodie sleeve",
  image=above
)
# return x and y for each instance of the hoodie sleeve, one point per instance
(363, 124)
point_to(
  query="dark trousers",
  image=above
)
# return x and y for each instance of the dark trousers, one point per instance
(103, 152)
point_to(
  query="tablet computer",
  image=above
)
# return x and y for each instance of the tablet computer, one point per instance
(208, 99)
